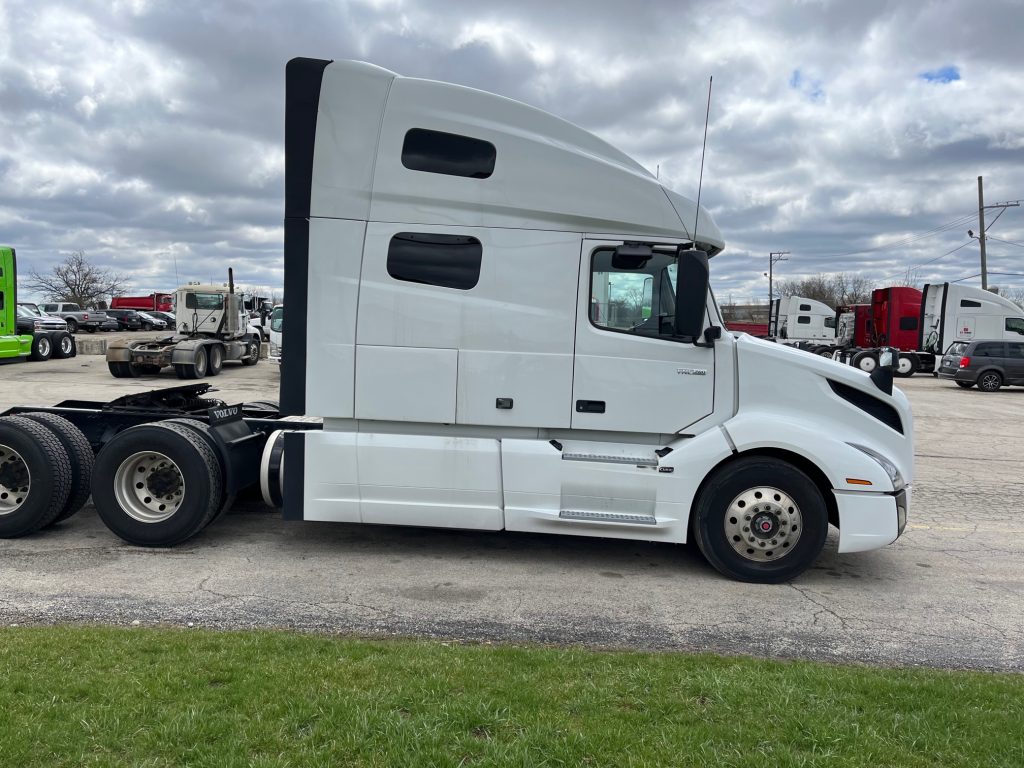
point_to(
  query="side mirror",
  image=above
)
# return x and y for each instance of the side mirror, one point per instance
(691, 293)
(882, 376)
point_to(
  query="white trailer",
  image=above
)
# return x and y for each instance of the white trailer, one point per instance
(951, 312)
(453, 250)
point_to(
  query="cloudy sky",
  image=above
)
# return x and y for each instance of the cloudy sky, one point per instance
(150, 134)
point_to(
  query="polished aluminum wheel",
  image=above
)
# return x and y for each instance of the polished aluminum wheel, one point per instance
(763, 524)
(149, 487)
(15, 480)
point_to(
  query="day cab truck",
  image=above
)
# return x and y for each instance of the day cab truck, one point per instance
(212, 327)
(448, 246)
(26, 333)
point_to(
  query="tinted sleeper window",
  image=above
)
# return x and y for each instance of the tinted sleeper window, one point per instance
(448, 261)
(447, 153)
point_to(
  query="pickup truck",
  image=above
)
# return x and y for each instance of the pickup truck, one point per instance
(75, 316)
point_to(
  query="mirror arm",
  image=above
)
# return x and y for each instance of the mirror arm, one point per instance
(711, 334)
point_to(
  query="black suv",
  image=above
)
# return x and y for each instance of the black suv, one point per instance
(989, 364)
(127, 319)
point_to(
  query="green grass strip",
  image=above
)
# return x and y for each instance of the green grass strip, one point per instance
(74, 696)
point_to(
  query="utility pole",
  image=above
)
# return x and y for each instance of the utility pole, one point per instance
(982, 228)
(981, 235)
(774, 258)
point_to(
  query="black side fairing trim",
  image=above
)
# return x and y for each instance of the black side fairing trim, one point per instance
(303, 79)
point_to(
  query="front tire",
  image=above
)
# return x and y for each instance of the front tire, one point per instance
(157, 485)
(252, 352)
(760, 519)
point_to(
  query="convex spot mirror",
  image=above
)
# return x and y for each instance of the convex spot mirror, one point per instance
(691, 293)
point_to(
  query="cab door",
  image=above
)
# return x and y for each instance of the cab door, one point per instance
(630, 373)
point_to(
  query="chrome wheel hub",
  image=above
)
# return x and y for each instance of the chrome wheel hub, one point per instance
(15, 480)
(763, 524)
(149, 487)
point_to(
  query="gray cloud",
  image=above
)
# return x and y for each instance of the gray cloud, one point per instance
(140, 131)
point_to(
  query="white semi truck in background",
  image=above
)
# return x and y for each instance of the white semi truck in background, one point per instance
(452, 249)
(797, 320)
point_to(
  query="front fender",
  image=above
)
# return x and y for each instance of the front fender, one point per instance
(840, 462)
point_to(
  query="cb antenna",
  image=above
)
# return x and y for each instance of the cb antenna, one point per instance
(703, 148)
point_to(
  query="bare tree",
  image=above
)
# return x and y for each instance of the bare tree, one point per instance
(1016, 295)
(835, 289)
(77, 280)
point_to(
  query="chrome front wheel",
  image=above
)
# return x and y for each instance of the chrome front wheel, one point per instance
(763, 524)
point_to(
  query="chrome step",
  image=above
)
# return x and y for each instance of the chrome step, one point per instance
(640, 461)
(608, 517)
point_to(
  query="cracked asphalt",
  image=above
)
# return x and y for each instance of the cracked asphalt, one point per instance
(949, 593)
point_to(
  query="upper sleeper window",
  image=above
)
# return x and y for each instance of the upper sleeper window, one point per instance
(448, 153)
(969, 303)
(449, 261)
(805, 307)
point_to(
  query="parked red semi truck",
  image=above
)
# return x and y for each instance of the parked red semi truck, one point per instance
(158, 302)
(921, 324)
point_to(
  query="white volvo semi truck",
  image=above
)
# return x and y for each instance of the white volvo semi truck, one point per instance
(514, 331)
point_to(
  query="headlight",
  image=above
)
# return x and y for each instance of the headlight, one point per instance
(890, 469)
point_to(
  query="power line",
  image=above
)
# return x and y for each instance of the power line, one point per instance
(926, 263)
(1008, 242)
(908, 240)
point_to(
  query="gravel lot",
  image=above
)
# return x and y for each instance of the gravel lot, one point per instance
(949, 593)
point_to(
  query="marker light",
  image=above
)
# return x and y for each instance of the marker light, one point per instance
(857, 481)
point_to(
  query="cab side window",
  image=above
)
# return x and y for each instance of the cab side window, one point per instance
(633, 294)
(1015, 325)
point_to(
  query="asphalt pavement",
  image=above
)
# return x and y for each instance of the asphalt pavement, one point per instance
(949, 593)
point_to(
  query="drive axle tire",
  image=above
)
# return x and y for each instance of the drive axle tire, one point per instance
(63, 345)
(216, 359)
(865, 361)
(42, 347)
(35, 476)
(906, 366)
(122, 370)
(760, 519)
(80, 453)
(157, 485)
(227, 500)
